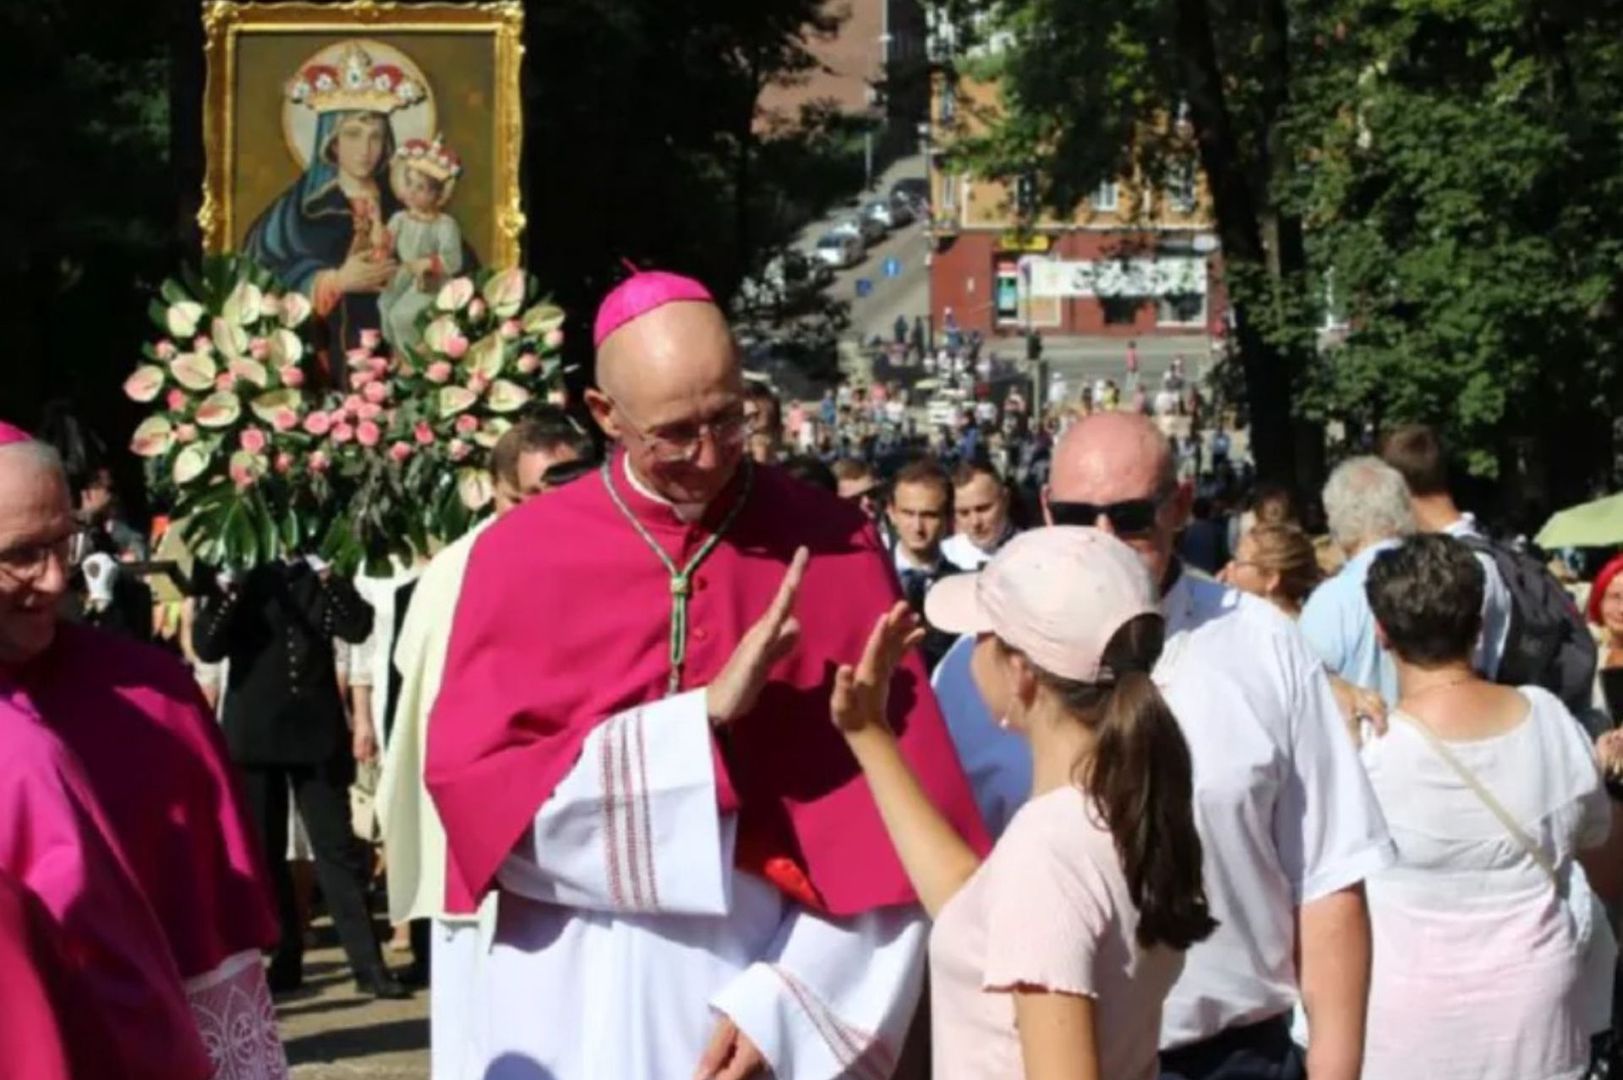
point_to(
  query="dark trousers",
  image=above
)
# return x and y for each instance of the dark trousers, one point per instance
(342, 863)
(1260, 1051)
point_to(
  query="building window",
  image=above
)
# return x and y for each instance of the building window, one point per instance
(1007, 290)
(1181, 309)
(949, 193)
(1181, 187)
(1106, 197)
(1121, 310)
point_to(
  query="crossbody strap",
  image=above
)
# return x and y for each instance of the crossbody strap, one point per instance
(1495, 807)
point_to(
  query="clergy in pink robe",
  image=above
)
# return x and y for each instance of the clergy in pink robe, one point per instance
(677, 886)
(155, 760)
(109, 958)
(39, 1002)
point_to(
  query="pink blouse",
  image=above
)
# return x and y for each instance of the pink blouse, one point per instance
(1049, 909)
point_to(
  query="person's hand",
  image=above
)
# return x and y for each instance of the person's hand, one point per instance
(729, 1055)
(1609, 749)
(735, 690)
(862, 693)
(360, 273)
(364, 742)
(1357, 705)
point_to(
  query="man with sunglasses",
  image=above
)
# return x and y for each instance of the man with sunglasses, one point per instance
(1288, 820)
(631, 747)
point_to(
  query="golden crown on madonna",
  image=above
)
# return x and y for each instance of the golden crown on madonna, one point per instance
(354, 83)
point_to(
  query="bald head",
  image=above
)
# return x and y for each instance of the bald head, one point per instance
(36, 525)
(671, 351)
(1119, 461)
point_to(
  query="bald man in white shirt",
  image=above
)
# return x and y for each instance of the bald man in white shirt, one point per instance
(1289, 823)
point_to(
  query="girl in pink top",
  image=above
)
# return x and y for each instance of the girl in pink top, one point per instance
(1051, 959)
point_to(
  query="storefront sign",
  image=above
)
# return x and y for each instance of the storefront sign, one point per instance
(1118, 277)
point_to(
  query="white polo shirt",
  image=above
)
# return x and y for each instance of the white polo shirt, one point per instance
(1285, 812)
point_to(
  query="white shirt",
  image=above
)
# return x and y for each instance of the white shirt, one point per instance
(369, 662)
(1285, 812)
(1496, 601)
(961, 551)
(1477, 958)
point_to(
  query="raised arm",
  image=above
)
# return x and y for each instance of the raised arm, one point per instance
(936, 858)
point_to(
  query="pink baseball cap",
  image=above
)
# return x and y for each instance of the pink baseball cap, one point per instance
(1057, 594)
(641, 293)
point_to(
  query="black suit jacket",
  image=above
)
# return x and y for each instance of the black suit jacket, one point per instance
(914, 586)
(282, 704)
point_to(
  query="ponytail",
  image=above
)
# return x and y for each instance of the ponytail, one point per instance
(1141, 781)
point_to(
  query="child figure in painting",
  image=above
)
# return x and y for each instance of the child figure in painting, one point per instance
(426, 239)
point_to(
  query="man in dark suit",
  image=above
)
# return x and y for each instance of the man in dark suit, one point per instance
(287, 730)
(920, 512)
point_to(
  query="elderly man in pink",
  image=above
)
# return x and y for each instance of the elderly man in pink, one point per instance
(153, 757)
(631, 743)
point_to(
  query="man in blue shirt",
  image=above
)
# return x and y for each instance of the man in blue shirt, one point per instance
(1367, 503)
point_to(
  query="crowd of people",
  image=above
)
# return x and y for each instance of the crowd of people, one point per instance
(709, 754)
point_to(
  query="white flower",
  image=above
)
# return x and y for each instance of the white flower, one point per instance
(324, 82)
(455, 294)
(182, 318)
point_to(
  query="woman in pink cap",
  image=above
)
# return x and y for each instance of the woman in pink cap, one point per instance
(1053, 956)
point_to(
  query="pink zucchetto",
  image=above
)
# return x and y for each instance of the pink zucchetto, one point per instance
(11, 433)
(641, 293)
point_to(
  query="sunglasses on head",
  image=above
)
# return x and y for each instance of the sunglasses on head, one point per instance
(1128, 518)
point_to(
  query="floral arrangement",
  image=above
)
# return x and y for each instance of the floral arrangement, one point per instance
(261, 460)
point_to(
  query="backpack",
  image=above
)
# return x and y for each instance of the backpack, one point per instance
(1548, 642)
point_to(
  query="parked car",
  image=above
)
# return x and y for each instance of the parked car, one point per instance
(915, 190)
(890, 213)
(865, 228)
(784, 279)
(839, 249)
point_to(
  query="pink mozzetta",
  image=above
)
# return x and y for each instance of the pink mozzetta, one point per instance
(641, 293)
(11, 433)
(519, 698)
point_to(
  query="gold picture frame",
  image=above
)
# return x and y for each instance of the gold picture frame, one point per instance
(248, 46)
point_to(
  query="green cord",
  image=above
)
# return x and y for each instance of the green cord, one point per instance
(681, 580)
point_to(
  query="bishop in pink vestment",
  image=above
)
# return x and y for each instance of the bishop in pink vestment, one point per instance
(155, 761)
(659, 879)
(56, 844)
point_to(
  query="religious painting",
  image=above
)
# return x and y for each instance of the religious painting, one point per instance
(364, 152)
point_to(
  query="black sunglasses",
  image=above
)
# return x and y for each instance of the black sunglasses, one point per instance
(1128, 518)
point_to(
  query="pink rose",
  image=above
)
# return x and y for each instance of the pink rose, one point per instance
(342, 433)
(476, 310)
(225, 381)
(370, 339)
(318, 424)
(284, 462)
(511, 328)
(284, 419)
(439, 371)
(242, 476)
(352, 404)
(399, 452)
(185, 433)
(478, 384)
(375, 392)
(358, 358)
(203, 344)
(456, 346)
(554, 339)
(379, 365)
(466, 425)
(359, 380)
(258, 348)
(367, 433)
(316, 462)
(252, 440)
(459, 449)
(291, 376)
(528, 363)
(165, 349)
(176, 400)
(369, 411)
(423, 433)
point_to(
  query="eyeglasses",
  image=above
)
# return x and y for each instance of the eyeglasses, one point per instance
(26, 563)
(1129, 519)
(681, 442)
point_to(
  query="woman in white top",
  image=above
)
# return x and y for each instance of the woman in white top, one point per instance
(1051, 959)
(1482, 928)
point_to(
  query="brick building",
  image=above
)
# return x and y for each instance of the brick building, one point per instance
(879, 45)
(1134, 261)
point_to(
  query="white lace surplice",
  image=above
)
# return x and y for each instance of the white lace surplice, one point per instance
(232, 1006)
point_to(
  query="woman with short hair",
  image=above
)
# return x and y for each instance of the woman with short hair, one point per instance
(1485, 962)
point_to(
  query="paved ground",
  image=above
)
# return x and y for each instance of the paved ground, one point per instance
(333, 1033)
